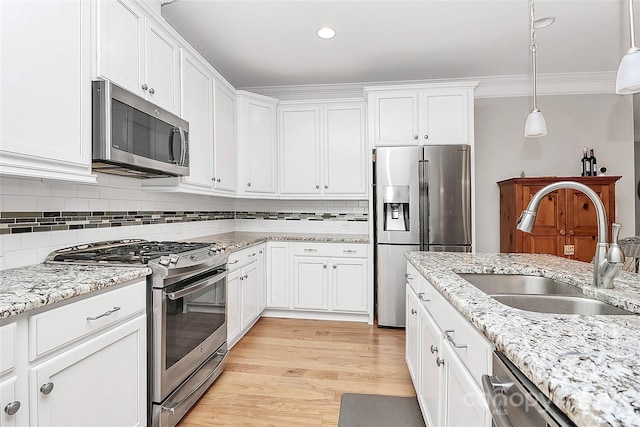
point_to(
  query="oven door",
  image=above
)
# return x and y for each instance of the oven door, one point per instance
(189, 322)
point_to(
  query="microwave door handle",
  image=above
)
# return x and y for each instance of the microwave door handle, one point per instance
(197, 286)
(183, 147)
(172, 158)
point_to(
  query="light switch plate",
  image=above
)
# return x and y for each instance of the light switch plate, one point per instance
(569, 250)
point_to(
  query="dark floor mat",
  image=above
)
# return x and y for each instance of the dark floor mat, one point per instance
(373, 410)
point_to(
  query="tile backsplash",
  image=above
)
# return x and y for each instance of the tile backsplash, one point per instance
(39, 216)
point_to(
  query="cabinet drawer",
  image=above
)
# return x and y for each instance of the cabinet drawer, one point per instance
(7, 347)
(342, 250)
(57, 327)
(473, 349)
(243, 257)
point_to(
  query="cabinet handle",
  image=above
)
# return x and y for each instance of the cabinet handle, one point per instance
(433, 349)
(420, 297)
(213, 179)
(317, 186)
(246, 276)
(218, 180)
(152, 91)
(145, 87)
(335, 266)
(426, 137)
(407, 275)
(413, 311)
(105, 314)
(326, 186)
(439, 361)
(415, 136)
(260, 251)
(248, 184)
(235, 262)
(310, 250)
(448, 333)
(12, 407)
(571, 232)
(324, 265)
(353, 251)
(562, 232)
(241, 278)
(253, 254)
(46, 388)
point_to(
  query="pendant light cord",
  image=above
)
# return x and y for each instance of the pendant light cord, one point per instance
(632, 30)
(533, 53)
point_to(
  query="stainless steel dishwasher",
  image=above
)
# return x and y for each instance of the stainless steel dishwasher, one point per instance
(515, 401)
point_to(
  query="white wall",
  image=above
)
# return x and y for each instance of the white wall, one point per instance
(600, 121)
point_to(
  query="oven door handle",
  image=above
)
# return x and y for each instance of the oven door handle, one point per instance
(197, 286)
(491, 385)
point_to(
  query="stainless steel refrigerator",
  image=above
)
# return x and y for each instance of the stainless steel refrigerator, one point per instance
(423, 203)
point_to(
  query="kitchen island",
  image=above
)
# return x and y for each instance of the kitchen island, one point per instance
(588, 365)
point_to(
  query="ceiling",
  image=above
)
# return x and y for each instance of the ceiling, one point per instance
(273, 43)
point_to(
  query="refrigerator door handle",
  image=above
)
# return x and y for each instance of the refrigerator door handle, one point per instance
(423, 182)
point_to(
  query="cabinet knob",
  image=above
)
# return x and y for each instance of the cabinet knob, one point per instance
(324, 265)
(152, 91)
(562, 232)
(571, 232)
(241, 277)
(246, 276)
(414, 311)
(425, 137)
(46, 388)
(248, 184)
(415, 136)
(326, 186)
(439, 361)
(218, 180)
(12, 407)
(335, 266)
(317, 186)
(433, 349)
(145, 87)
(213, 179)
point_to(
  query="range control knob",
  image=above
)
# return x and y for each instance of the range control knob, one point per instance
(164, 260)
(173, 259)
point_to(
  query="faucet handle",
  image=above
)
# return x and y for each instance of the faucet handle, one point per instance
(615, 230)
(615, 254)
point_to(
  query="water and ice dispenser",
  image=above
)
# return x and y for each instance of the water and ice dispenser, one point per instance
(395, 201)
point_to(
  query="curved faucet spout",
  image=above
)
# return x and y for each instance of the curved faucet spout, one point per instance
(605, 265)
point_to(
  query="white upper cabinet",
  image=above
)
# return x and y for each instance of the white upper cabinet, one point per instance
(322, 150)
(421, 114)
(197, 109)
(137, 54)
(224, 139)
(45, 90)
(257, 147)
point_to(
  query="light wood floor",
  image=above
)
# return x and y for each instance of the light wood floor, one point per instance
(288, 372)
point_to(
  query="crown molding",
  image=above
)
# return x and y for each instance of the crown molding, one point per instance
(487, 87)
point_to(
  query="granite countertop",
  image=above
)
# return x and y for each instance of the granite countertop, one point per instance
(27, 288)
(588, 365)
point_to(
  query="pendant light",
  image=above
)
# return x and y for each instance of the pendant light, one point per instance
(535, 125)
(628, 80)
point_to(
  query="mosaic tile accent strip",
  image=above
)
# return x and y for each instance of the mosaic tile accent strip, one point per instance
(34, 222)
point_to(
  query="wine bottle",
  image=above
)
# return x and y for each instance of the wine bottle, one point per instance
(593, 164)
(585, 163)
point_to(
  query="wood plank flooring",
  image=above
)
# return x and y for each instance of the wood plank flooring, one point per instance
(288, 372)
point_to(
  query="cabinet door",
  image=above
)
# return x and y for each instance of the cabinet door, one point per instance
(345, 162)
(9, 399)
(310, 283)
(431, 383)
(582, 221)
(234, 307)
(45, 89)
(464, 402)
(260, 150)
(224, 139)
(87, 379)
(444, 118)
(412, 336)
(121, 44)
(549, 231)
(396, 118)
(197, 109)
(162, 67)
(349, 285)
(249, 295)
(299, 150)
(278, 275)
(261, 283)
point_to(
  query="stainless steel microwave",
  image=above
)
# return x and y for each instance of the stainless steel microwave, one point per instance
(133, 137)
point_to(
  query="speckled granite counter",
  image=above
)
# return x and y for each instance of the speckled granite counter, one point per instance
(27, 288)
(588, 365)
(240, 239)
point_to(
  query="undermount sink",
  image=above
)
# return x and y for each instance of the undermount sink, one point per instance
(539, 294)
(558, 304)
(519, 284)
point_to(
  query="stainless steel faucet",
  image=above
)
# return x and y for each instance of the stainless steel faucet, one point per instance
(608, 260)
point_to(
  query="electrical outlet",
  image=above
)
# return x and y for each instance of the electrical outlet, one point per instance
(569, 250)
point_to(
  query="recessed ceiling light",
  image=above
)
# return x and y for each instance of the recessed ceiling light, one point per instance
(326, 33)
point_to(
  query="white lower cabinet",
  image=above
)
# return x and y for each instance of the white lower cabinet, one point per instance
(70, 362)
(446, 357)
(278, 275)
(245, 285)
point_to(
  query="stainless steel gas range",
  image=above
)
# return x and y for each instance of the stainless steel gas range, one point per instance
(186, 311)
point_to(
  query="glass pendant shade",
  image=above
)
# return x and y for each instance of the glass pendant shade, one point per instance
(535, 125)
(628, 80)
